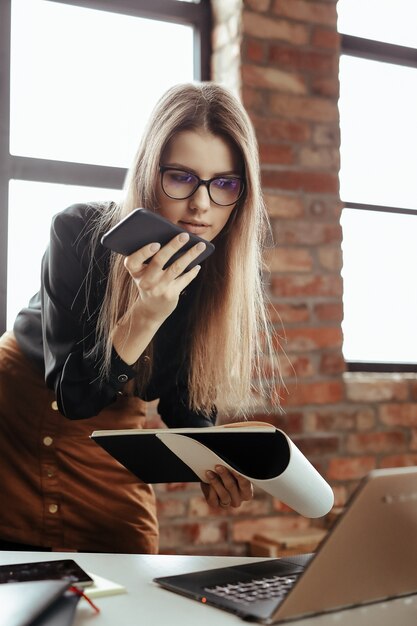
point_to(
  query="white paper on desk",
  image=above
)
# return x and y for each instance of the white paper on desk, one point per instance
(299, 486)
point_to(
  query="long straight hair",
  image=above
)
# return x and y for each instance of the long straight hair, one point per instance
(229, 336)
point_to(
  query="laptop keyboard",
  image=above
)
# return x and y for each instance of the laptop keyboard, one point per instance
(257, 589)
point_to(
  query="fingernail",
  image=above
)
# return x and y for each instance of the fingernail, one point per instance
(210, 475)
(183, 237)
(154, 247)
(220, 469)
(200, 246)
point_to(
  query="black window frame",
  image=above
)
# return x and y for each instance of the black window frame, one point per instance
(198, 15)
(397, 55)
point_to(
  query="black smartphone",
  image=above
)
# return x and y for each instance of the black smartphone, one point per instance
(62, 569)
(142, 227)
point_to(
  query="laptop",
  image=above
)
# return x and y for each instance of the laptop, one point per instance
(370, 555)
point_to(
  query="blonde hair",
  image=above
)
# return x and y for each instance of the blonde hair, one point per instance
(229, 332)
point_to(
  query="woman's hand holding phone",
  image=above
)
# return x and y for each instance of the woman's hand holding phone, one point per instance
(159, 288)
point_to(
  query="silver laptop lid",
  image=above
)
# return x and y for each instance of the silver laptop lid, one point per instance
(371, 553)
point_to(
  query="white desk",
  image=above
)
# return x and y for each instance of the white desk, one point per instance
(146, 604)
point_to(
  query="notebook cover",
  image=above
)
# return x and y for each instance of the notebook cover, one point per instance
(261, 452)
(264, 455)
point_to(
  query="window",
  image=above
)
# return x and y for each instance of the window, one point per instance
(82, 85)
(378, 100)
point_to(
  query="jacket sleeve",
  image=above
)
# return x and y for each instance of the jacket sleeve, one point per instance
(174, 411)
(69, 316)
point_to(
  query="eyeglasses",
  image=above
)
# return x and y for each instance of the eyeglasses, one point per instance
(179, 184)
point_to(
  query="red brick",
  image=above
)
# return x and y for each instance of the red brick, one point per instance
(290, 313)
(265, 27)
(312, 446)
(326, 134)
(314, 285)
(273, 129)
(302, 59)
(306, 233)
(253, 100)
(258, 5)
(179, 535)
(413, 388)
(376, 443)
(170, 507)
(330, 258)
(328, 87)
(340, 498)
(399, 460)
(259, 505)
(297, 366)
(307, 11)
(323, 392)
(371, 387)
(276, 153)
(245, 530)
(296, 107)
(332, 363)
(261, 76)
(320, 157)
(290, 422)
(288, 260)
(325, 38)
(316, 182)
(398, 414)
(284, 206)
(345, 468)
(330, 420)
(255, 50)
(329, 311)
(310, 338)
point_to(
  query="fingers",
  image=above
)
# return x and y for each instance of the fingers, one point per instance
(226, 488)
(134, 262)
(179, 259)
(161, 256)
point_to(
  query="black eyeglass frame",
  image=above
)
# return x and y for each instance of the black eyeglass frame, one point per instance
(201, 181)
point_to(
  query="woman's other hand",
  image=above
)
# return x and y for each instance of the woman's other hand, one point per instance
(225, 488)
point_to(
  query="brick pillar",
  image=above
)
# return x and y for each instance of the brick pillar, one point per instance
(282, 57)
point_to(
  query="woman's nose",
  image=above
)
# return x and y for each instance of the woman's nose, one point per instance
(200, 199)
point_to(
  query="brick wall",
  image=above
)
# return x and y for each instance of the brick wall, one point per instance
(282, 56)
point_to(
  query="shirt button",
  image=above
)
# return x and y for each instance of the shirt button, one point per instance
(47, 441)
(53, 508)
(54, 405)
(122, 378)
(49, 473)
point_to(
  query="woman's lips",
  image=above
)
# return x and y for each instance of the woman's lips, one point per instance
(194, 228)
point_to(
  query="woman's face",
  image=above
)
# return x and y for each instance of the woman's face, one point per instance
(202, 154)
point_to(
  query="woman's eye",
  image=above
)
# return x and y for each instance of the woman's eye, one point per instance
(228, 184)
(181, 177)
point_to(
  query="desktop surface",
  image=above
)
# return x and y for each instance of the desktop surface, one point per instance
(148, 604)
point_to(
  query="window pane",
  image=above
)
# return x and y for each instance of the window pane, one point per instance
(392, 21)
(378, 121)
(380, 298)
(83, 82)
(31, 207)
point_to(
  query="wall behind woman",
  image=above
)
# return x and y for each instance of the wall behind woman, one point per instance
(283, 56)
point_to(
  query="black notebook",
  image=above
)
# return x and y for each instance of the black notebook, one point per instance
(262, 453)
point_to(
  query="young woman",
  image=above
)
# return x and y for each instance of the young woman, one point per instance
(108, 333)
